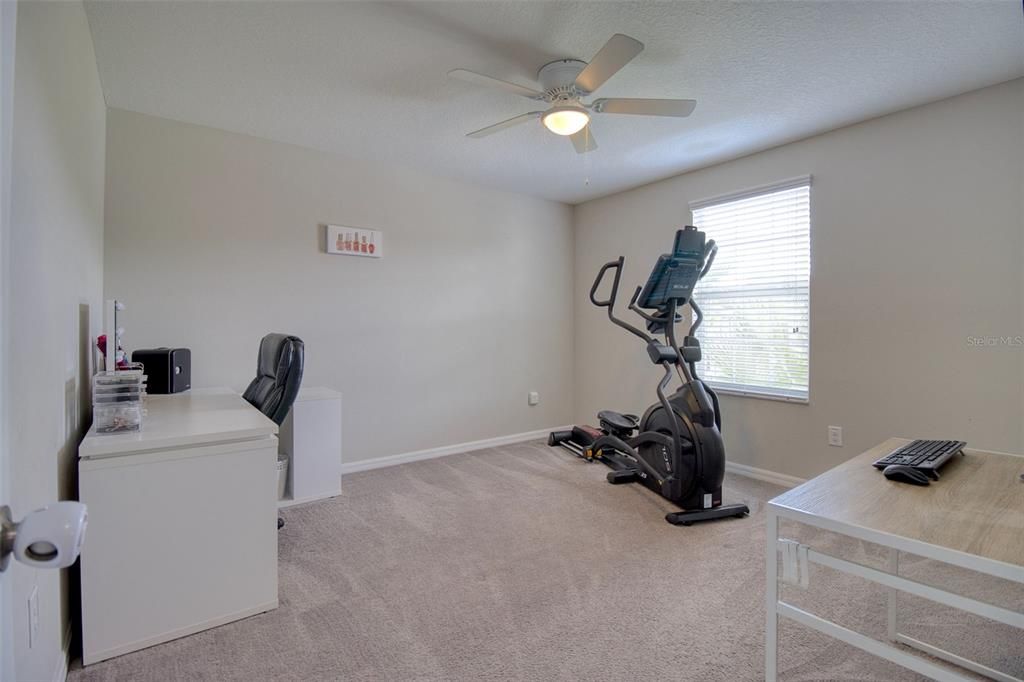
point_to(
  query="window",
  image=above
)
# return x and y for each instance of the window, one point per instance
(755, 298)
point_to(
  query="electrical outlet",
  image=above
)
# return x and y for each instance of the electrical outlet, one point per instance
(835, 436)
(33, 617)
(533, 398)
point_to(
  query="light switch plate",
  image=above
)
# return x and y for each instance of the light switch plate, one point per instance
(835, 436)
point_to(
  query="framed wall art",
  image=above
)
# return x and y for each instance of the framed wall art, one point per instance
(354, 241)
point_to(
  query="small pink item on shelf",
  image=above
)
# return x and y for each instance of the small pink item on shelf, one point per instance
(122, 357)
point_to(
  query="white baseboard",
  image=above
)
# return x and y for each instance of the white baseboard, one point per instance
(443, 451)
(784, 480)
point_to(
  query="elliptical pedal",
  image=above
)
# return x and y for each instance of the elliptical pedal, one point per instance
(621, 476)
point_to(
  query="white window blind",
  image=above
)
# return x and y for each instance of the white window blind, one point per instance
(755, 299)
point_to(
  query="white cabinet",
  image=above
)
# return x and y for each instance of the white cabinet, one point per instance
(182, 530)
(311, 437)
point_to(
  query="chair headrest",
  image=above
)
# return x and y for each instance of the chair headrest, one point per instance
(278, 356)
(278, 375)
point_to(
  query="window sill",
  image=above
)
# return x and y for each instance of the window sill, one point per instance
(761, 396)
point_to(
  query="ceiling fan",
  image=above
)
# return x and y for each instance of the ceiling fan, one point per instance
(566, 82)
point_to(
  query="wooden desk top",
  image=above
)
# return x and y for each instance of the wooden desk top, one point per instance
(977, 507)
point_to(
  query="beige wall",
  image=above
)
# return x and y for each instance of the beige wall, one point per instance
(214, 239)
(916, 243)
(55, 284)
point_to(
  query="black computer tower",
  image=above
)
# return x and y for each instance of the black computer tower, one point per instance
(168, 370)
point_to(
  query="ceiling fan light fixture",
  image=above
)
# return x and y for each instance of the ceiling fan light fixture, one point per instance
(566, 120)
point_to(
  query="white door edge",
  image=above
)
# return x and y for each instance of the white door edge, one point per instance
(8, 22)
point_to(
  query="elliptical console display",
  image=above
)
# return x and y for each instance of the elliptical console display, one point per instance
(676, 448)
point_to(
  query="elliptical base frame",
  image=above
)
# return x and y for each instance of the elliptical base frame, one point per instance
(622, 473)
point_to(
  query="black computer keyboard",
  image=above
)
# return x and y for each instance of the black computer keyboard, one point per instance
(926, 455)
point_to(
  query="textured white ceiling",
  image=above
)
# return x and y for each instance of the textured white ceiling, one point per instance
(367, 79)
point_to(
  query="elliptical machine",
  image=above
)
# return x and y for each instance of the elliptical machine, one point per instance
(678, 452)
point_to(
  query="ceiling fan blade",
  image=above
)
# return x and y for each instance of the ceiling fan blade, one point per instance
(583, 140)
(644, 107)
(488, 81)
(497, 127)
(616, 53)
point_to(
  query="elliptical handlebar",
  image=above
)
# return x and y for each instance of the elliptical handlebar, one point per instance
(710, 251)
(609, 302)
(663, 384)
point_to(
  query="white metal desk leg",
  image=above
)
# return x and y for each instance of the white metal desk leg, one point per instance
(771, 640)
(894, 568)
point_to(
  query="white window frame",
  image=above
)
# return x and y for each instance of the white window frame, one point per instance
(766, 393)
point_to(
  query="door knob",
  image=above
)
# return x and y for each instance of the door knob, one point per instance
(50, 537)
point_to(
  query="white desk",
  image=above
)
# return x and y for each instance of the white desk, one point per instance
(972, 518)
(182, 522)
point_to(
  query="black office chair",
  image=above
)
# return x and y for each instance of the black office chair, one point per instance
(278, 376)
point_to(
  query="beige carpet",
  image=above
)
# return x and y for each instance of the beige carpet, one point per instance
(521, 563)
